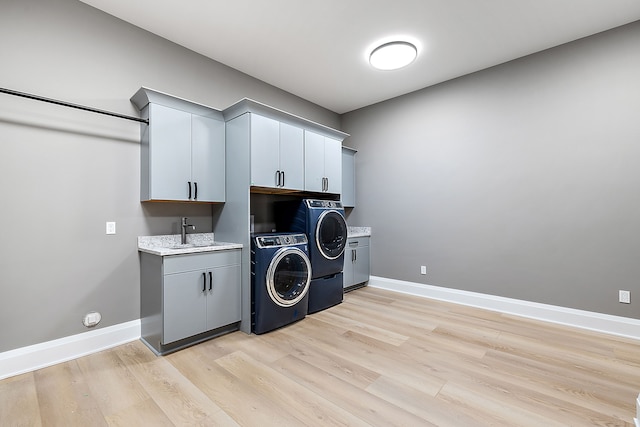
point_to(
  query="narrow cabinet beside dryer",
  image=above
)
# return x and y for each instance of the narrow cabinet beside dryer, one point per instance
(188, 298)
(357, 262)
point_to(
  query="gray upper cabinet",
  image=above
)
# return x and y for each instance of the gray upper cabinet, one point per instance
(208, 158)
(322, 163)
(182, 150)
(289, 152)
(277, 154)
(348, 177)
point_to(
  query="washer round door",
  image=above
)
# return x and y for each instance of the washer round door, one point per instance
(288, 276)
(331, 234)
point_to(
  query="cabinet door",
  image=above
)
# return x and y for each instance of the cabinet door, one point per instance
(347, 270)
(333, 165)
(184, 305)
(292, 156)
(313, 161)
(208, 158)
(362, 265)
(265, 151)
(169, 152)
(348, 196)
(223, 300)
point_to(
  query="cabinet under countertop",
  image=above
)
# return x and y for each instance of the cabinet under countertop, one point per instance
(189, 297)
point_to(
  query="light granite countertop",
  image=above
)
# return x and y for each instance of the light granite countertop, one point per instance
(358, 232)
(169, 244)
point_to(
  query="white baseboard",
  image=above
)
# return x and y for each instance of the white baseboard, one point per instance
(614, 325)
(27, 359)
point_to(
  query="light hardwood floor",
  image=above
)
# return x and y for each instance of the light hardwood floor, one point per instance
(379, 358)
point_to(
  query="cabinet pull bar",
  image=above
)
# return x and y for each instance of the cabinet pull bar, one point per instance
(189, 190)
(282, 179)
(204, 282)
(195, 194)
(210, 280)
(277, 178)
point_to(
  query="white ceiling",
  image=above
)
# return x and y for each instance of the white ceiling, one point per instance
(317, 49)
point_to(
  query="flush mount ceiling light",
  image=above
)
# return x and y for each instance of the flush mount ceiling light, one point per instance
(393, 55)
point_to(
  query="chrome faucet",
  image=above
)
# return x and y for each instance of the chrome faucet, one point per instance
(183, 229)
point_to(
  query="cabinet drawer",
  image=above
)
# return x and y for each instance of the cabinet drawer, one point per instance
(355, 242)
(200, 261)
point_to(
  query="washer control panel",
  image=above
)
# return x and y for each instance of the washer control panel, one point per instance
(276, 240)
(323, 204)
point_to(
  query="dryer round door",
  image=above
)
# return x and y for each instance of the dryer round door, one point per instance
(288, 276)
(331, 234)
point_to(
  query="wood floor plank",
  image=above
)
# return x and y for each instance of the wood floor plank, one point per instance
(576, 359)
(19, 402)
(111, 384)
(260, 347)
(374, 355)
(433, 409)
(144, 413)
(380, 358)
(287, 395)
(491, 409)
(361, 327)
(362, 404)
(591, 391)
(239, 400)
(64, 397)
(328, 361)
(181, 401)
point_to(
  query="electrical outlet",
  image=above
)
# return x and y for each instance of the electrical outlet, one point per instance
(624, 297)
(91, 319)
(423, 269)
(111, 228)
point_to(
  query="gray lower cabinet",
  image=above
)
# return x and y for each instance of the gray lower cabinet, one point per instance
(357, 262)
(189, 298)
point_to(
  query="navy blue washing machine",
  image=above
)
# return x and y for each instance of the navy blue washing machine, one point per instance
(324, 224)
(280, 280)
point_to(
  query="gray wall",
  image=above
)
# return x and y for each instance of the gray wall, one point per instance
(64, 173)
(522, 180)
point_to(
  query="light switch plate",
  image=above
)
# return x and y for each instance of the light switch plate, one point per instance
(111, 228)
(624, 297)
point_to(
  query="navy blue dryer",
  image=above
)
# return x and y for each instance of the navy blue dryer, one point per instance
(326, 228)
(324, 224)
(280, 280)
